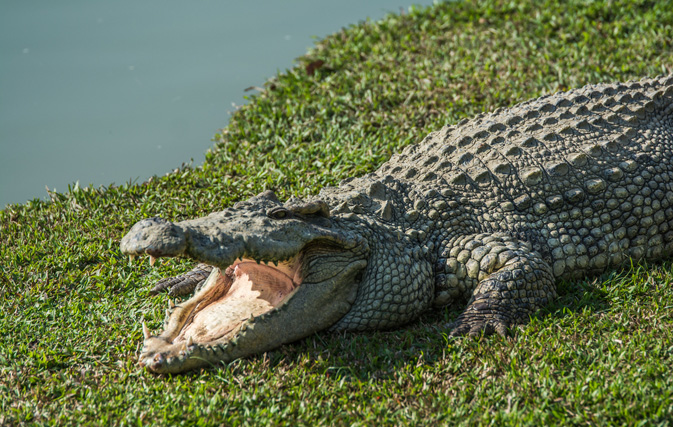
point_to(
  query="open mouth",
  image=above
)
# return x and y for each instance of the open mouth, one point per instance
(254, 307)
(244, 291)
(225, 306)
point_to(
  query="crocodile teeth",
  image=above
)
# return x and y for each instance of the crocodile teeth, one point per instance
(152, 260)
(146, 331)
(190, 341)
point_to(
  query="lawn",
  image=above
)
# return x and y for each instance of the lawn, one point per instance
(71, 304)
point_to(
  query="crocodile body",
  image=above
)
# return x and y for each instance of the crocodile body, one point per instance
(489, 213)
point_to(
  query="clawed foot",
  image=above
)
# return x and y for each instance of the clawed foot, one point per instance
(476, 324)
(185, 283)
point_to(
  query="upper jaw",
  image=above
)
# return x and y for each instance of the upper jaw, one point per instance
(221, 238)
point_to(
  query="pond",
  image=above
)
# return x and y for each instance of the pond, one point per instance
(102, 92)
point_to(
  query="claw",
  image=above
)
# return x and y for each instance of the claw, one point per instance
(152, 260)
(132, 258)
(171, 304)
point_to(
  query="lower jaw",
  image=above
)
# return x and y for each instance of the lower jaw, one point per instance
(205, 327)
(332, 298)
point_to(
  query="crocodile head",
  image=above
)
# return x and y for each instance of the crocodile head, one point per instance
(283, 272)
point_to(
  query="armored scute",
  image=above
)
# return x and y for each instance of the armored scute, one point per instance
(489, 213)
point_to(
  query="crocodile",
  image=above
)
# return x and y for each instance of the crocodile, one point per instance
(488, 214)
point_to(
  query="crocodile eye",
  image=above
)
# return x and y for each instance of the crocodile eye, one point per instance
(278, 213)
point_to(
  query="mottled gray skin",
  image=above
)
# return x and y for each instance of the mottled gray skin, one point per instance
(492, 212)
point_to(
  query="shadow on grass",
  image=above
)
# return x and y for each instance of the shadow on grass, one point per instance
(576, 296)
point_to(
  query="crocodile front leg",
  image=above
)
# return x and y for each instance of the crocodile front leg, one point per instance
(512, 283)
(184, 283)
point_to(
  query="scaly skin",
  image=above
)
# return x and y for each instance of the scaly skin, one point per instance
(491, 212)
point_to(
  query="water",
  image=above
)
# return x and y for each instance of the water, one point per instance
(105, 92)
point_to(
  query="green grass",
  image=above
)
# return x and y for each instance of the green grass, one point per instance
(71, 304)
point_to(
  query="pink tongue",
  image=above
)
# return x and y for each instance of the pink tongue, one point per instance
(255, 290)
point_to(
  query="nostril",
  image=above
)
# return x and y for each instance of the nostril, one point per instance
(156, 237)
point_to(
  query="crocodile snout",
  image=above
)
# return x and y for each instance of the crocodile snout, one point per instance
(155, 237)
